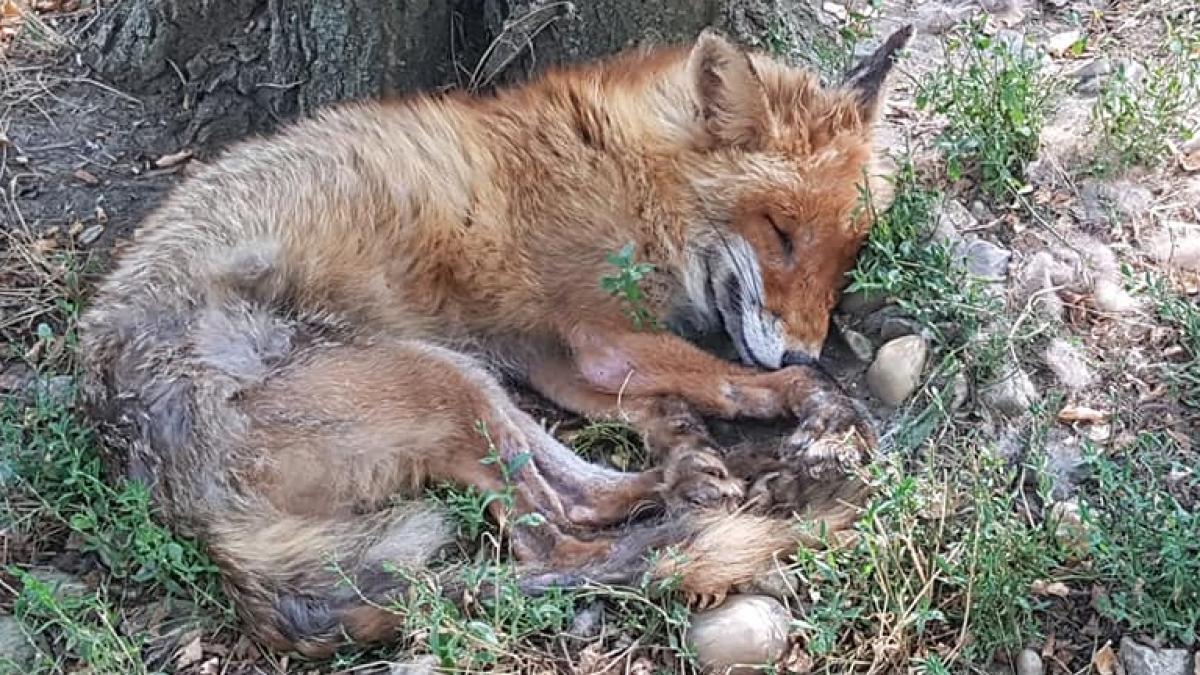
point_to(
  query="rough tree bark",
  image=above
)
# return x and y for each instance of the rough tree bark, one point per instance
(217, 70)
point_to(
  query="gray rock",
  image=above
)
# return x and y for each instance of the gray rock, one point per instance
(1019, 47)
(57, 389)
(16, 377)
(896, 371)
(90, 235)
(935, 18)
(898, 325)
(861, 304)
(981, 257)
(980, 211)
(859, 344)
(1106, 204)
(1091, 78)
(421, 665)
(746, 631)
(1068, 364)
(1064, 463)
(17, 651)
(1011, 393)
(960, 392)
(1139, 659)
(987, 260)
(587, 621)
(952, 220)
(1029, 663)
(1060, 43)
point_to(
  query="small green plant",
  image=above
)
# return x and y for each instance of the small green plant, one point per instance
(626, 286)
(925, 277)
(994, 97)
(82, 625)
(1139, 114)
(1009, 553)
(1182, 315)
(1142, 540)
(56, 469)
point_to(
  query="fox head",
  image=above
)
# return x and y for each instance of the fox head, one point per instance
(788, 161)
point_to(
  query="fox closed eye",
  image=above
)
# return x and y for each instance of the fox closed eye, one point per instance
(785, 239)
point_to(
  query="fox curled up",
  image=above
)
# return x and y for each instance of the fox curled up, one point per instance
(318, 323)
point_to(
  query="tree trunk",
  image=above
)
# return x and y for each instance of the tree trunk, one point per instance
(217, 70)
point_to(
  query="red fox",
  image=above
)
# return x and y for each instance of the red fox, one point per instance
(318, 323)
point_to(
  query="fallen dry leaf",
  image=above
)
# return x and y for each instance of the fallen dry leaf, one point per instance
(172, 159)
(45, 245)
(85, 176)
(1057, 588)
(1081, 413)
(190, 653)
(11, 10)
(1105, 661)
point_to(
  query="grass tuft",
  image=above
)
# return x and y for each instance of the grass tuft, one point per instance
(994, 96)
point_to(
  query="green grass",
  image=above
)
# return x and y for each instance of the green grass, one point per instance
(57, 493)
(944, 558)
(59, 475)
(1137, 119)
(56, 490)
(501, 627)
(82, 628)
(1141, 538)
(994, 99)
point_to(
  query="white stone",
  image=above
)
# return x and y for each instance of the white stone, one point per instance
(1139, 659)
(896, 371)
(1061, 43)
(1029, 663)
(1011, 394)
(745, 632)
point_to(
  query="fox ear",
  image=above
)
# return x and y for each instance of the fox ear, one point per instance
(866, 79)
(733, 104)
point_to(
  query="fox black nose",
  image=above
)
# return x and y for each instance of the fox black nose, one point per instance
(797, 358)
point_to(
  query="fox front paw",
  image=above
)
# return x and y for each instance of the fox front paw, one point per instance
(697, 478)
(698, 602)
(835, 435)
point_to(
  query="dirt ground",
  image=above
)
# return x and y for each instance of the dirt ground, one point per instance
(82, 162)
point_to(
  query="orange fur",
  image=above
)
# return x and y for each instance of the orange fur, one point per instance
(315, 324)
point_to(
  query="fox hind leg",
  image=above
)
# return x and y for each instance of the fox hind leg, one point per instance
(343, 429)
